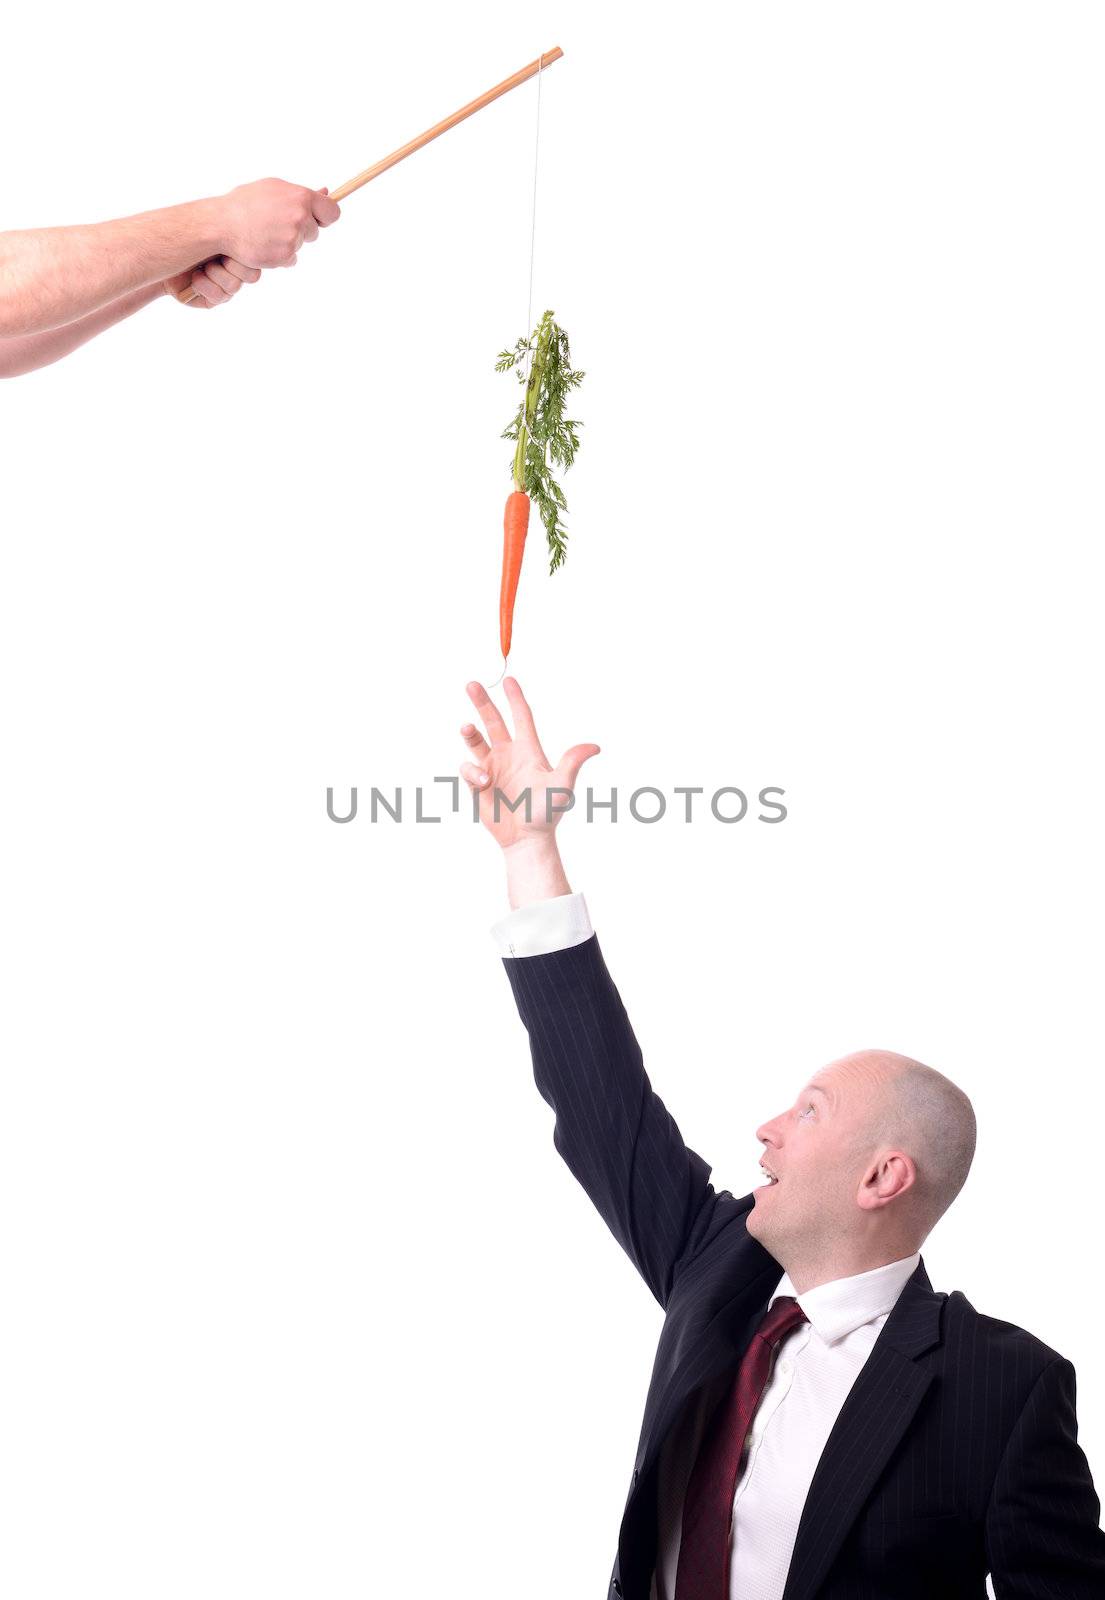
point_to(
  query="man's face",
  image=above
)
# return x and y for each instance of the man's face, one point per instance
(817, 1152)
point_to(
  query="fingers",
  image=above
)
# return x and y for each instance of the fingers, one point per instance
(474, 777)
(325, 210)
(573, 759)
(207, 289)
(240, 270)
(475, 741)
(497, 730)
(179, 281)
(213, 282)
(218, 274)
(523, 716)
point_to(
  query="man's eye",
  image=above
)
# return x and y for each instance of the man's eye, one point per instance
(805, 1115)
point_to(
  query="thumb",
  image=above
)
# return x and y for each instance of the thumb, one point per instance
(324, 222)
(573, 759)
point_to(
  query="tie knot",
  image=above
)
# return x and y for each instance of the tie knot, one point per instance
(781, 1317)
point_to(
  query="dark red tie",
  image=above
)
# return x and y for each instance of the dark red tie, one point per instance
(703, 1569)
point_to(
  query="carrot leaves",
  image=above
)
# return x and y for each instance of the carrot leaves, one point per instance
(543, 435)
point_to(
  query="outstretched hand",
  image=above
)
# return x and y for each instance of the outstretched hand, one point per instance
(514, 763)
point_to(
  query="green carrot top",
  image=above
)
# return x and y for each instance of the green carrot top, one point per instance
(542, 431)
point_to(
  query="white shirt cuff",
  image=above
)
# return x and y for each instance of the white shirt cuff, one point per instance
(543, 926)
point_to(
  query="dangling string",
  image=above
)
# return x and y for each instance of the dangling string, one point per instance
(529, 302)
(533, 222)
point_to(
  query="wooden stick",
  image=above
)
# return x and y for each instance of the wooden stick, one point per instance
(401, 154)
(450, 122)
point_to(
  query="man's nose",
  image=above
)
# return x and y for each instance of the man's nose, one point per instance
(768, 1132)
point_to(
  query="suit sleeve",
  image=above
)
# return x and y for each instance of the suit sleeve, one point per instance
(613, 1131)
(1042, 1526)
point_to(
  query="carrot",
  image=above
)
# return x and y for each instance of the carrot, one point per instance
(515, 524)
(540, 430)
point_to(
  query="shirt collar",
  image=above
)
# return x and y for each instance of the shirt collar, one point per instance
(840, 1307)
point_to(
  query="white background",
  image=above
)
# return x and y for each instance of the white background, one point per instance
(298, 1299)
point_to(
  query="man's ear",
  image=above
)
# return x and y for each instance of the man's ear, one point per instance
(892, 1173)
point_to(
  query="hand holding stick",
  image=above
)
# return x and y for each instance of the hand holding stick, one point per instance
(351, 184)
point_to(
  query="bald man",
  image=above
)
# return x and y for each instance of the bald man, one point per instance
(820, 1421)
(60, 287)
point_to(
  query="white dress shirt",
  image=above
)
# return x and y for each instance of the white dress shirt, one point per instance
(544, 926)
(815, 1367)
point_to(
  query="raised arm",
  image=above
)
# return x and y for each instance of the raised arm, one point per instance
(612, 1129)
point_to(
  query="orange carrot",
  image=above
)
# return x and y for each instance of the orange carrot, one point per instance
(543, 437)
(515, 524)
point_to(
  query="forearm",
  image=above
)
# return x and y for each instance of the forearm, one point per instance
(53, 276)
(613, 1132)
(534, 871)
(33, 350)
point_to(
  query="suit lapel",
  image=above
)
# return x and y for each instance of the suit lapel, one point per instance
(879, 1409)
(716, 1350)
(719, 1349)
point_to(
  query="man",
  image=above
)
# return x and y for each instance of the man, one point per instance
(59, 287)
(820, 1421)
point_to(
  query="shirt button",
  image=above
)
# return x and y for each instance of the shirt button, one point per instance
(784, 1366)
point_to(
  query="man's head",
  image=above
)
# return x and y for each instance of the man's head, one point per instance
(866, 1160)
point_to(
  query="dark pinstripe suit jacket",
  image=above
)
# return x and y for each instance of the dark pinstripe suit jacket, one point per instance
(956, 1451)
